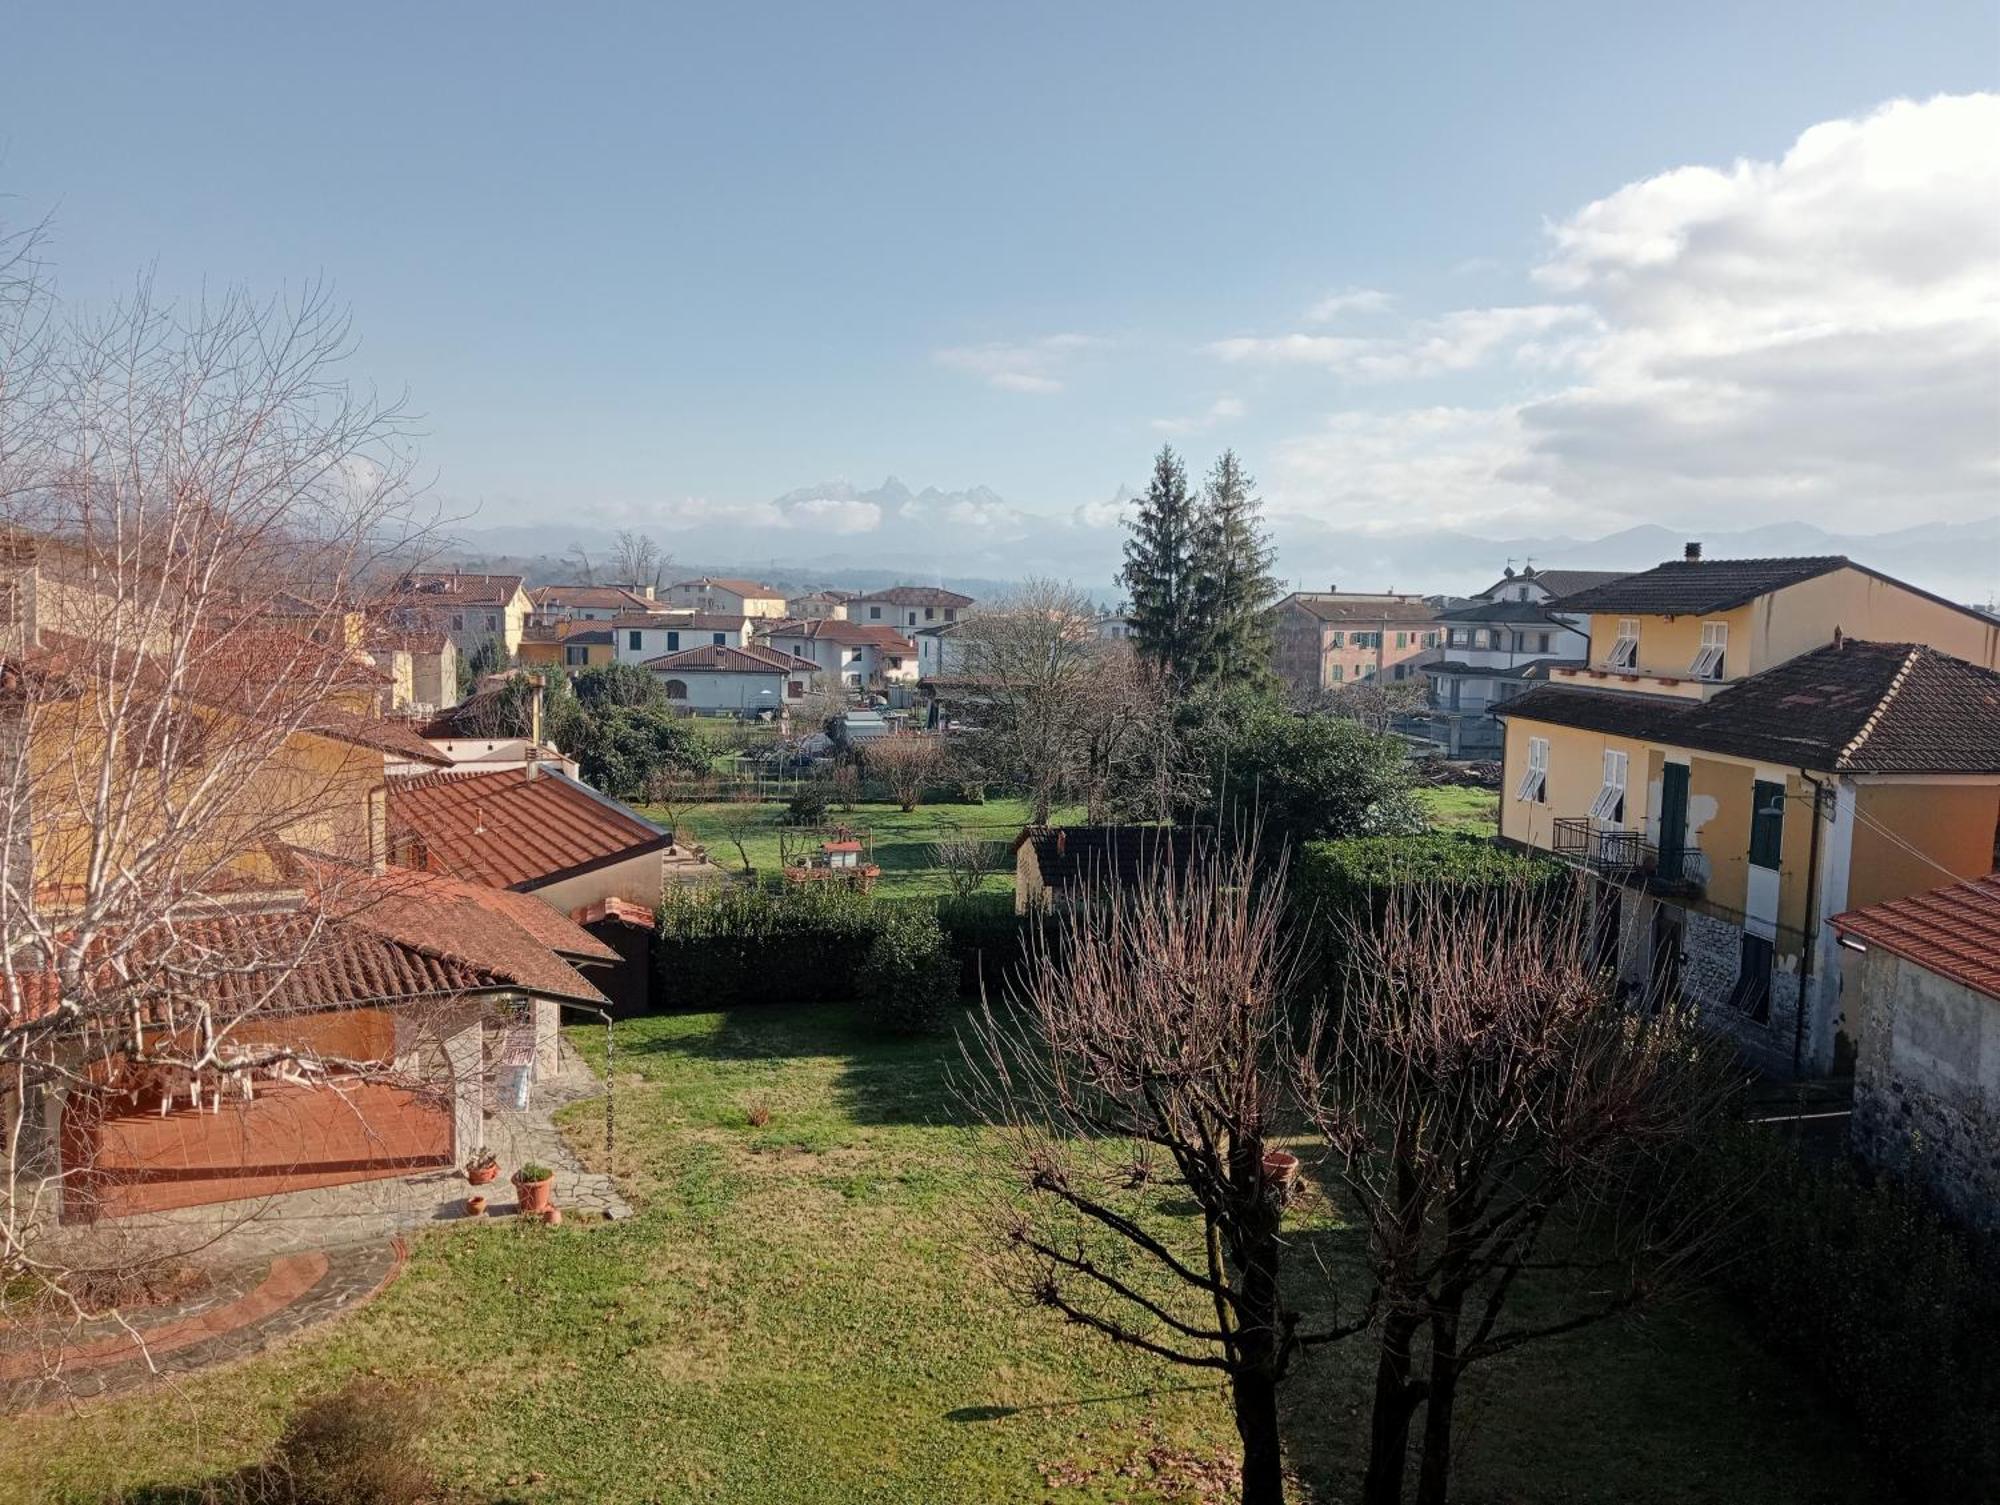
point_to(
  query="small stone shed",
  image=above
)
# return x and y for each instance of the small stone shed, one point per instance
(1927, 1081)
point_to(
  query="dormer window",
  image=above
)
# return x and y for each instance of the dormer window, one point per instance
(1609, 806)
(1714, 643)
(1625, 649)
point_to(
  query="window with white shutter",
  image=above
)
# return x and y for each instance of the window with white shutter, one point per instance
(1534, 785)
(1609, 806)
(1714, 644)
(1625, 648)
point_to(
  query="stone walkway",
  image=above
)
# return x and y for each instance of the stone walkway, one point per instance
(276, 1265)
(242, 1311)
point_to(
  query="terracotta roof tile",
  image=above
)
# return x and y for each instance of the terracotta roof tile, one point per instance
(915, 595)
(625, 911)
(512, 831)
(1953, 931)
(852, 634)
(446, 588)
(1333, 606)
(588, 597)
(720, 659)
(754, 588)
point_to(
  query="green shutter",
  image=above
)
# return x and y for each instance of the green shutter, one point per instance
(1767, 823)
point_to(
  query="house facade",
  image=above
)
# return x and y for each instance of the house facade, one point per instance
(641, 639)
(718, 596)
(1322, 640)
(745, 681)
(1924, 974)
(852, 654)
(1500, 644)
(473, 610)
(587, 603)
(581, 643)
(818, 606)
(1730, 801)
(907, 608)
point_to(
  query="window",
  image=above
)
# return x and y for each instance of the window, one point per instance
(874, 613)
(574, 654)
(951, 613)
(1752, 993)
(1430, 640)
(1625, 649)
(929, 613)
(1457, 638)
(1534, 785)
(913, 620)
(1767, 823)
(1336, 640)
(1609, 806)
(1541, 642)
(673, 641)
(721, 639)
(1521, 594)
(796, 688)
(457, 622)
(1714, 642)
(635, 640)
(492, 622)
(677, 689)
(895, 663)
(1401, 669)
(1402, 640)
(1339, 673)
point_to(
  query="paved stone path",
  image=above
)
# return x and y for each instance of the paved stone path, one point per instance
(243, 1311)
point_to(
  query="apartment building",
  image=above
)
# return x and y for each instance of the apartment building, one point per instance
(1322, 640)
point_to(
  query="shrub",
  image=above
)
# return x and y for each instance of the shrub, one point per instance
(987, 939)
(808, 807)
(533, 1172)
(1337, 878)
(717, 947)
(1316, 777)
(908, 975)
(356, 1446)
(1891, 1306)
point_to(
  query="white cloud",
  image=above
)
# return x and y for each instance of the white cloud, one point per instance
(1032, 367)
(1813, 338)
(1222, 410)
(1349, 300)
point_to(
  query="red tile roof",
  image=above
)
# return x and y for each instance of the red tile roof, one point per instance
(588, 597)
(670, 620)
(852, 634)
(511, 830)
(625, 911)
(914, 595)
(452, 588)
(1954, 931)
(754, 588)
(1354, 606)
(715, 658)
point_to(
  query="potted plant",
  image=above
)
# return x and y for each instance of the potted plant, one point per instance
(484, 1166)
(475, 1207)
(553, 1217)
(1281, 1173)
(535, 1187)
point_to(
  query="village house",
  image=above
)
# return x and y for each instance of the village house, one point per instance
(724, 597)
(474, 610)
(1322, 640)
(940, 651)
(1925, 983)
(818, 606)
(572, 644)
(1750, 748)
(588, 603)
(640, 639)
(716, 679)
(1503, 642)
(907, 607)
(850, 653)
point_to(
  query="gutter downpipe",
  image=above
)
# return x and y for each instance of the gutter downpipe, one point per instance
(1812, 926)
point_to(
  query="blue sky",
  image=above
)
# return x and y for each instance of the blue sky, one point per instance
(660, 264)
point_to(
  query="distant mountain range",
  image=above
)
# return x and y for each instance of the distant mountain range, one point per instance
(974, 540)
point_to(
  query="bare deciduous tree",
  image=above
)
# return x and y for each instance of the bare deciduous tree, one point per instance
(1375, 704)
(964, 859)
(1499, 1118)
(1149, 1019)
(739, 817)
(908, 764)
(638, 561)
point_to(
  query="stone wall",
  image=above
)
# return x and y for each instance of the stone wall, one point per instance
(1927, 1084)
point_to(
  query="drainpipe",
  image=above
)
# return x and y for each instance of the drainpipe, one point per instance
(1811, 927)
(610, 1090)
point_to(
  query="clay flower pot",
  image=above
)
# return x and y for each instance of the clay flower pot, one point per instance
(1281, 1173)
(479, 1173)
(553, 1217)
(475, 1207)
(535, 1197)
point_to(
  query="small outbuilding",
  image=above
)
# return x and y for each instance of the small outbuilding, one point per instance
(1058, 862)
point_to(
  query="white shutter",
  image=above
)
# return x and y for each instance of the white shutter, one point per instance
(1534, 780)
(1714, 643)
(1625, 649)
(1608, 806)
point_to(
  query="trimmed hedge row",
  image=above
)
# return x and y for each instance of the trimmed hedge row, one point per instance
(1340, 878)
(740, 944)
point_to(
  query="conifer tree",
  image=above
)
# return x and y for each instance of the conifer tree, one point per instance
(1233, 584)
(1159, 571)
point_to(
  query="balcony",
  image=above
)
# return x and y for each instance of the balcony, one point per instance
(1626, 857)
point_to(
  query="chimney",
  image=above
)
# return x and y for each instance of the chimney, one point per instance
(1692, 554)
(1333, 589)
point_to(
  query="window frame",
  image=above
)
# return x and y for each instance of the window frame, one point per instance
(1534, 786)
(1709, 658)
(1609, 806)
(1767, 832)
(1624, 652)
(1751, 992)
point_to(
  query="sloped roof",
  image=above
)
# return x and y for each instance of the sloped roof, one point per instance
(510, 830)
(588, 597)
(614, 910)
(718, 658)
(1557, 582)
(1695, 587)
(755, 588)
(1537, 668)
(854, 634)
(1851, 707)
(1345, 606)
(678, 621)
(1503, 611)
(915, 595)
(451, 587)
(1952, 931)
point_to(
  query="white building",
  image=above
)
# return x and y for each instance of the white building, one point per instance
(588, 603)
(940, 651)
(854, 654)
(639, 639)
(907, 607)
(718, 679)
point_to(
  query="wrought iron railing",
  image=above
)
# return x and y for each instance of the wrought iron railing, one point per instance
(1627, 855)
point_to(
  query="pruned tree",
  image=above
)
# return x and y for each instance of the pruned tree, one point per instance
(1499, 1120)
(638, 561)
(908, 764)
(739, 818)
(677, 792)
(964, 859)
(1146, 1025)
(1375, 703)
(1033, 664)
(198, 516)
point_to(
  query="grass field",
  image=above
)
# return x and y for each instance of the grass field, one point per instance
(1473, 811)
(806, 1313)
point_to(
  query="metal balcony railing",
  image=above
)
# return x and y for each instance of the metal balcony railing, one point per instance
(1626, 856)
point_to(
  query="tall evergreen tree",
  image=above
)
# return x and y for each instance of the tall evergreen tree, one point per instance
(1159, 571)
(1233, 584)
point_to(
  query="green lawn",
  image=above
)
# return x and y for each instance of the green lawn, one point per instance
(808, 1312)
(1474, 811)
(903, 842)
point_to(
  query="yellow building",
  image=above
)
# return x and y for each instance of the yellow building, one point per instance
(1736, 768)
(571, 645)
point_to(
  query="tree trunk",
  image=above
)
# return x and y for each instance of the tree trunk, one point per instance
(1396, 1400)
(1256, 1396)
(1434, 1476)
(1255, 1380)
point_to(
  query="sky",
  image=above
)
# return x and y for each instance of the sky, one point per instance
(1514, 270)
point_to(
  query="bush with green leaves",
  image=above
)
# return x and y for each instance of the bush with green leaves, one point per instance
(809, 806)
(618, 748)
(1314, 778)
(744, 944)
(1334, 878)
(988, 940)
(908, 977)
(617, 685)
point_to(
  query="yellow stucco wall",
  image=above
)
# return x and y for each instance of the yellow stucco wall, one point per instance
(1719, 796)
(1576, 773)
(1802, 617)
(1950, 824)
